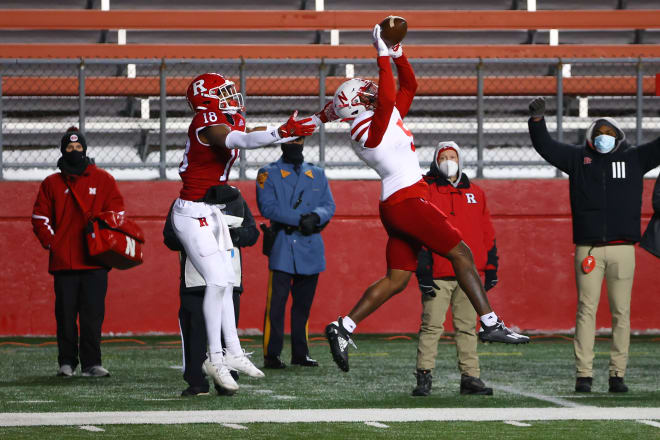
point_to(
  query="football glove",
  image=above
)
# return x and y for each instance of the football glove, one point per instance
(303, 127)
(379, 44)
(491, 279)
(396, 51)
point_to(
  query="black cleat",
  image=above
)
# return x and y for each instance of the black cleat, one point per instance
(273, 363)
(583, 384)
(474, 385)
(500, 333)
(617, 385)
(339, 338)
(193, 391)
(304, 362)
(424, 383)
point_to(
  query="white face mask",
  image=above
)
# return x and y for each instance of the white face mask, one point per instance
(448, 168)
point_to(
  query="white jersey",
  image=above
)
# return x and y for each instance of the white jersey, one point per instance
(394, 159)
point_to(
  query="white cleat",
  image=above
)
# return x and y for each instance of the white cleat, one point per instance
(242, 364)
(221, 376)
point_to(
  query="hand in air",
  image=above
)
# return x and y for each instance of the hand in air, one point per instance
(292, 127)
(379, 44)
(396, 51)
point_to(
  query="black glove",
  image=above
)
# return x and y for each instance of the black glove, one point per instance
(426, 285)
(537, 107)
(233, 233)
(308, 223)
(491, 279)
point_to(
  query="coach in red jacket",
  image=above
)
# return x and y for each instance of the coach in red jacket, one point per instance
(465, 205)
(80, 284)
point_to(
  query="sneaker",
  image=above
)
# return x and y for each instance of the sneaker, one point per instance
(193, 391)
(617, 385)
(500, 333)
(242, 364)
(424, 383)
(583, 384)
(273, 363)
(474, 385)
(339, 338)
(304, 362)
(66, 371)
(221, 376)
(96, 371)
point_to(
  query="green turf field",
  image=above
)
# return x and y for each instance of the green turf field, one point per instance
(146, 376)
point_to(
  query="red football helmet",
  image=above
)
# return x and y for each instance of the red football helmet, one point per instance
(212, 91)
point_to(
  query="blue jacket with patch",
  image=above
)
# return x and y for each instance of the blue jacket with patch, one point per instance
(283, 196)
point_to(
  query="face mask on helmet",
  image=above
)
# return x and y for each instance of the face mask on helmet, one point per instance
(353, 97)
(604, 143)
(212, 91)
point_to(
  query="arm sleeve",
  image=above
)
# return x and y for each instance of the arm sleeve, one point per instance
(247, 232)
(326, 207)
(42, 217)
(386, 99)
(649, 155)
(253, 139)
(489, 238)
(273, 209)
(113, 200)
(556, 153)
(407, 85)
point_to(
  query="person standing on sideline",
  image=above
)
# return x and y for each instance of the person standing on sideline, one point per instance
(465, 204)
(605, 184)
(295, 196)
(80, 283)
(651, 238)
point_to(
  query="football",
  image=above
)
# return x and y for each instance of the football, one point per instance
(393, 30)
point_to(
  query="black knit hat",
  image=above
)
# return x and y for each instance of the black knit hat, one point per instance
(73, 135)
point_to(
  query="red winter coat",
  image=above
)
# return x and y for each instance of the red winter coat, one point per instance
(465, 206)
(59, 222)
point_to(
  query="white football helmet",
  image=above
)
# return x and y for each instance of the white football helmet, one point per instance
(354, 97)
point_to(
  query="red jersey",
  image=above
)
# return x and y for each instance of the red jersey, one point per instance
(59, 222)
(204, 166)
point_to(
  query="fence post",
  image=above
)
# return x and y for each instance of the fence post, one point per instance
(242, 159)
(560, 107)
(480, 119)
(163, 121)
(81, 96)
(1, 140)
(640, 101)
(322, 77)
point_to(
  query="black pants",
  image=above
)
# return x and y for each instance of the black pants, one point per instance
(193, 332)
(302, 289)
(80, 295)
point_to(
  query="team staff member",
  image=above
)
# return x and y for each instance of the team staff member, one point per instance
(651, 239)
(465, 205)
(296, 197)
(605, 183)
(244, 233)
(80, 284)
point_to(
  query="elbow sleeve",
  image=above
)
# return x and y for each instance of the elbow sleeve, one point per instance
(254, 139)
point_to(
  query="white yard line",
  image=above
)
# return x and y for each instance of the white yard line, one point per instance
(234, 426)
(91, 428)
(30, 401)
(556, 400)
(514, 423)
(376, 424)
(650, 422)
(327, 415)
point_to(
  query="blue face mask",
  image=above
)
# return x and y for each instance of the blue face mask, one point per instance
(604, 143)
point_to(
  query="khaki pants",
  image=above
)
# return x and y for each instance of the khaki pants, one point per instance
(464, 319)
(617, 264)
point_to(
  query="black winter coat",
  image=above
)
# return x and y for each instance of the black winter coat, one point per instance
(605, 189)
(651, 239)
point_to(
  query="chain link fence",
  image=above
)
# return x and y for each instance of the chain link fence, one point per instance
(135, 115)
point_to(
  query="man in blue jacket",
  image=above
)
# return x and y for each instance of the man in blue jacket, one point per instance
(296, 198)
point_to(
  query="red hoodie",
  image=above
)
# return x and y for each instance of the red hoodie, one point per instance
(59, 222)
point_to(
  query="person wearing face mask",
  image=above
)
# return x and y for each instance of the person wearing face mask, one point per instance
(80, 284)
(295, 196)
(605, 184)
(464, 203)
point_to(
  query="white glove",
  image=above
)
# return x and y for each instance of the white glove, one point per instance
(396, 51)
(379, 44)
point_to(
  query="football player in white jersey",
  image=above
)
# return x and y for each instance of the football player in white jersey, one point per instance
(384, 143)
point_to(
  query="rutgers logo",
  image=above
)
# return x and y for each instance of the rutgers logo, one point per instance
(198, 87)
(470, 198)
(130, 247)
(202, 222)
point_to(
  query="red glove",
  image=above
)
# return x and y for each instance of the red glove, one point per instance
(328, 113)
(295, 128)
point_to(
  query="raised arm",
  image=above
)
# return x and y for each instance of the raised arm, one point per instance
(407, 81)
(556, 153)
